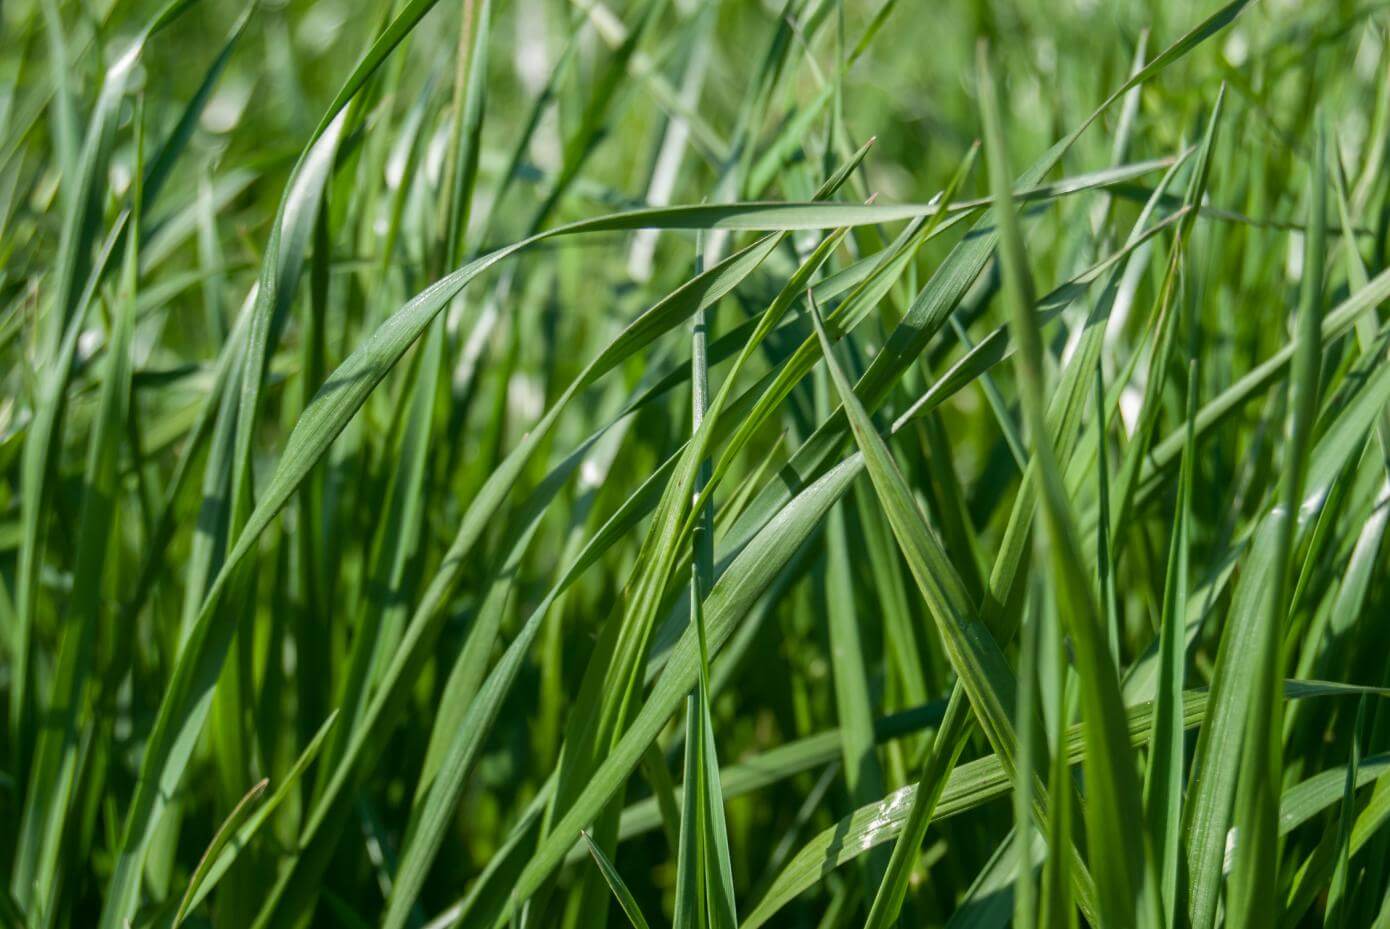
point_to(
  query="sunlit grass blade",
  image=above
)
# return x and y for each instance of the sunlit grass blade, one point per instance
(615, 883)
(1119, 854)
(975, 655)
(1163, 782)
(862, 770)
(975, 783)
(706, 288)
(1254, 875)
(84, 192)
(56, 769)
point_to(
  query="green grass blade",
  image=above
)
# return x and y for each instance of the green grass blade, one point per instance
(979, 781)
(57, 766)
(1163, 783)
(81, 227)
(615, 883)
(1254, 872)
(1119, 854)
(227, 846)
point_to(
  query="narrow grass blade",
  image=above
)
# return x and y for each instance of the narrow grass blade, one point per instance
(1254, 874)
(615, 883)
(1119, 854)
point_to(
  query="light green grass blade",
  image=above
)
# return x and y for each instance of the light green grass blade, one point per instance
(56, 769)
(1163, 782)
(81, 228)
(854, 712)
(466, 126)
(1025, 720)
(706, 288)
(717, 877)
(615, 883)
(976, 782)
(1337, 906)
(1118, 852)
(1254, 874)
(974, 654)
(1058, 907)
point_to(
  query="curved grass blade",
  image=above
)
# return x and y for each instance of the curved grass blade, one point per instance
(225, 848)
(81, 222)
(977, 782)
(1118, 851)
(794, 519)
(224, 833)
(980, 665)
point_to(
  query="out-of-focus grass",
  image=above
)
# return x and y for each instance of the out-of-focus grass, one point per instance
(567, 463)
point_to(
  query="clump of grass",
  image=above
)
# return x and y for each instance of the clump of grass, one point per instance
(569, 463)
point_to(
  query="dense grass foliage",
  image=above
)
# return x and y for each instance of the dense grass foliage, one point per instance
(807, 463)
